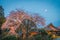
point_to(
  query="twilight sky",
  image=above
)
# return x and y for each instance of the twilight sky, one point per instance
(49, 9)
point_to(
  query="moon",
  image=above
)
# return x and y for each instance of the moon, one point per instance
(45, 10)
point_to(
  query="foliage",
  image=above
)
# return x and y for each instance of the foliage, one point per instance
(37, 37)
(42, 36)
(9, 38)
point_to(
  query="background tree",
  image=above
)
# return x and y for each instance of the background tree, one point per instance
(2, 19)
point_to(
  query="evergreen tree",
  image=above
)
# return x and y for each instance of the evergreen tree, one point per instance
(2, 18)
(1, 15)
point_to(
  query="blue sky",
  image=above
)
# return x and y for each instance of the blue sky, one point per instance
(49, 9)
